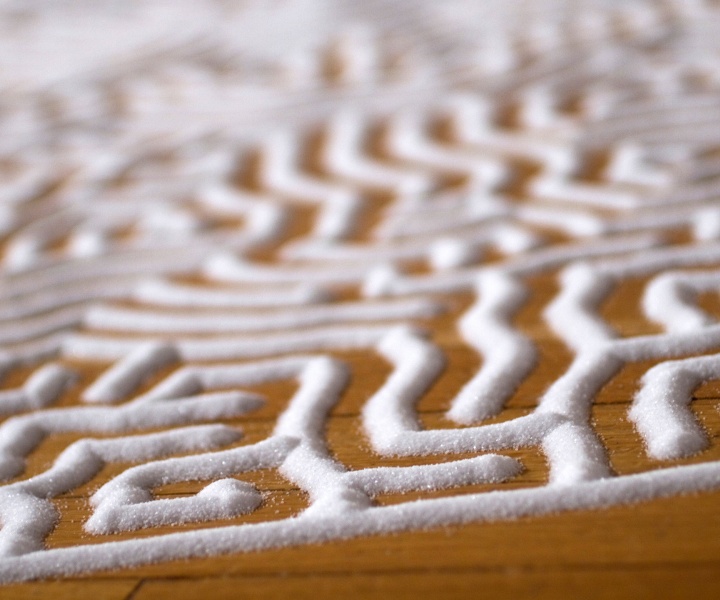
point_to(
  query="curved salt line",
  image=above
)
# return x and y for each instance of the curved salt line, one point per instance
(36, 326)
(22, 434)
(661, 412)
(264, 220)
(668, 299)
(125, 503)
(27, 513)
(146, 321)
(508, 355)
(389, 416)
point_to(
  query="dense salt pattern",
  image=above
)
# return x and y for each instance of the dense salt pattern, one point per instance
(199, 206)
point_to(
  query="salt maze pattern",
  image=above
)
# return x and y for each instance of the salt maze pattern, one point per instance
(217, 220)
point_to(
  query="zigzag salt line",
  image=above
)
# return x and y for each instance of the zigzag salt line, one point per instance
(22, 434)
(669, 300)
(407, 140)
(344, 155)
(28, 514)
(145, 321)
(660, 410)
(508, 355)
(340, 205)
(321, 380)
(383, 282)
(505, 237)
(264, 220)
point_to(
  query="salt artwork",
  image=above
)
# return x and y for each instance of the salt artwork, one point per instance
(156, 163)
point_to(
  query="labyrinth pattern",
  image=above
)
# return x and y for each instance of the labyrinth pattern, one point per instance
(217, 219)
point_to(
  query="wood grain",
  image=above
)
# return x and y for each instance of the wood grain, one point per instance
(664, 548)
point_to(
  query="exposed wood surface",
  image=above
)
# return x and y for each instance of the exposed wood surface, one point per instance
(664, 548)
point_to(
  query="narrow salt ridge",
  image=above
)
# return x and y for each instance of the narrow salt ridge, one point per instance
(166, 293)
(392, 425)
(115, 318)
(229, 268)
(407, 139)
(345, 155)
(41, 389)
(505, 237)
(77, 245)
(339, 203)
(508, 355)
(97, 347)
(669, 299)
(22, 434)
(379, 282)
(661, 412)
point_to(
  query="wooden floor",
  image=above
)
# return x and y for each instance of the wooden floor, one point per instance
(667, 548)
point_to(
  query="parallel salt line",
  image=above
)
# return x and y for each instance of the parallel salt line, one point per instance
(96, 347)
(506, 237)
(671, 257)
(146, 321)
(228, 268)
(166, 293)
(487, 468)
(142, 262)
(22, 434)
